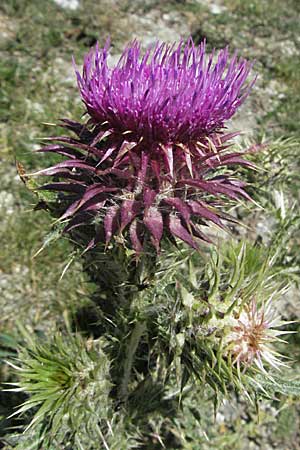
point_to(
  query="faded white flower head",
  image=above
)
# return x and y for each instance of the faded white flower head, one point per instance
(252, 335)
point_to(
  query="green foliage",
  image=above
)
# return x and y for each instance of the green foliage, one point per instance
(208, 294)
(277, 167)
(68, 384)
(8, 345)
(168, 335)
(278, 385)
(275, 189)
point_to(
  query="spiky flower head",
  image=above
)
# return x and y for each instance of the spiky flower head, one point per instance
(68, 381)
(252, 335)
(153, 160)
(171, 94)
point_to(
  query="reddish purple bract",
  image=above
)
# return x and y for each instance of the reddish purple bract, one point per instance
(153, 159)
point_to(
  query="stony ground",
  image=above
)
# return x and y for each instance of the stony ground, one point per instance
(37, 40)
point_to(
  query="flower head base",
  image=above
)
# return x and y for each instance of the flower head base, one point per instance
(152, 160)
(252, 334)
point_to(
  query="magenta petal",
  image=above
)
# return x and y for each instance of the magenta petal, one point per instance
(71, 210)
(61, 150)
(149, 197)
(95, 204)
(153, 220)
(73, 164)
(215, 187)
(92, 200)
(77, 188)
(100, 136)
(129, 210)
(181, 206)
(125, 148)
(188, 161)
(178, 230)
(80, 129)
(111, 222)
(107, 154)
(94, 191)
(90, 245)
(156, 170)
(77, 144)
(135, 237)
(201, 209)
(169, 157)
(144, 167)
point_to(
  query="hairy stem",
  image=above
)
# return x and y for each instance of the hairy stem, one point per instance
(131, 349)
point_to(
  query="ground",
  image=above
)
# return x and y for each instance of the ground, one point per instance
(37, 41)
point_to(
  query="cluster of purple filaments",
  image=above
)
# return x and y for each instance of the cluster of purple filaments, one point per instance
(169, 94)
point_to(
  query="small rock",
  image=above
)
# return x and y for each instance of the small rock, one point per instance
(7, 202)
(7, 28)
(153, 27)
(63, 71)
(68, 4)
(216, 9)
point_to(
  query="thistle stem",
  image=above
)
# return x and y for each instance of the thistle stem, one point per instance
(132, 346)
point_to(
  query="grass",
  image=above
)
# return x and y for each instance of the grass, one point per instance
(37, 85)
(251, 28)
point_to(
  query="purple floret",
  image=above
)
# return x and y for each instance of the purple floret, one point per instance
(169, 94)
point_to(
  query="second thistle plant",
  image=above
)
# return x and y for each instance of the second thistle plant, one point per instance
(68, 383)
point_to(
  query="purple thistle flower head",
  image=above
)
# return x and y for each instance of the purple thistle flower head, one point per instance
(172, 94)
(153, 160)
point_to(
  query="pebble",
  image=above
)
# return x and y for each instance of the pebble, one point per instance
(68, 4)
(6, 202)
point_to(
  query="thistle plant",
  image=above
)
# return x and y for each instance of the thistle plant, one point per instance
(153, 160)
(145, 181)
